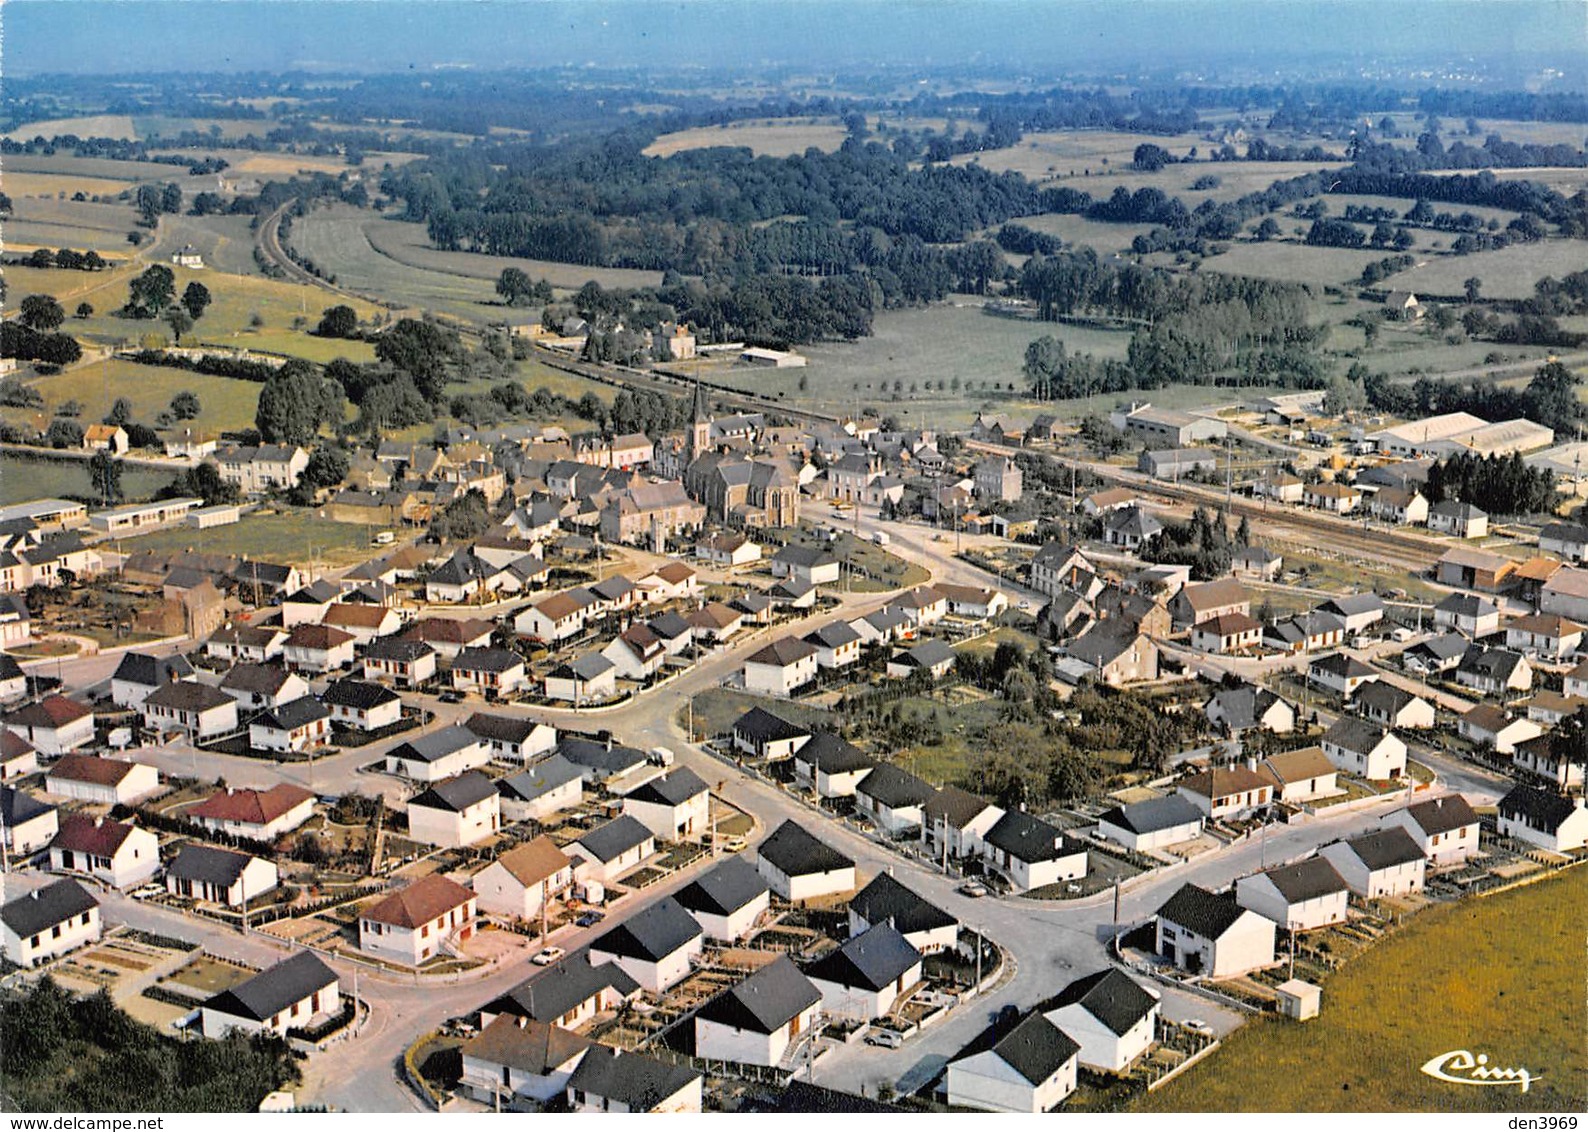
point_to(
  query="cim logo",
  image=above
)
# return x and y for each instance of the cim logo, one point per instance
(1462, 1067)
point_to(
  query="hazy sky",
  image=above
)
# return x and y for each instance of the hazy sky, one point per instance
(1043, 36)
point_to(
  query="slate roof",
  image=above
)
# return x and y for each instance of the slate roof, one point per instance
(795, 851)
(1221, 782)
(1036, 1049)
(832, 755)
(834, 634)
(502, 728)
(1358, 735)
(1112, 997)
(1343, 665)
(724, 890)
(540, 779)
(17, 807)
(1242, 707)
(886, 899)
(807, 556)
(609, 841)
(1030, 839)
(152, 671)
(1154, 814)
(959, 807)
(533, 1047)
(486, 660)
(455, 794)
(396, 649)
(637, 1082)
(766, 1001)
(257, 678)
(551, 993)
(358, 695)
(45, 907)
(206, 863)
(927, 654)
(425, 900)
(1206, 914)
(290, 716)
(672, 789)
(760, 726)
(1384, 697)
(1306, 880)
(275, 989)
(187, 695)
(1385, 848)
(874, 959)
(436, 745)
(782, 652)
(1444, 814)
(608, 759)
(894, 787)
(1540, 809)
(652, 934)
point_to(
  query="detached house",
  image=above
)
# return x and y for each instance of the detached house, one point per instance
(673, 806)
(440, 754)
(1302, 775)
(610, 850)
(1113, 1018)
(1444, 828)
(48, 922)
(798, 867)
(1544, 818)
(361, 705)
(291, 995)
(893, 799)
(1212, 935)
(406, 663)
(419, 921)
(727, 901)
(101, 781)
(1226, 791)
(261, 686)
(523, 880)
(257, 815)
(1299, 897)
(1201, 601)
(1539, 757)
(1386, 863)
(54, 726)
(1470, 614)
(549, 787)
(885, 900)
(958, 821)
(489, 671)
(457, 812)
(1365, 749)
(26, 824)
(868, 975)
(1340, 673)
(610, 1080)
(519, 1057)
(219, 876)
(1488, 724)
(1153, 823)
(831, 766)
(1547, 636)
(296, 726)
(1031, 1069)
(1227, 633)
(1494, 672)
(656, 946)
(139, 674)
(757, 1021)
(199, 710)
(1392, 706)
(318, 649)
(780, 668)
(113, 853)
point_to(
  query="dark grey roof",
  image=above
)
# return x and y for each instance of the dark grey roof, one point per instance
(807, 556)
(876, 958)
(1341, 664)
(1539, 809)
(608, 841)
(1497, 664)
(187, 695)
(766, 1001)
(1036, 1049)
(928, 654)
(1466, 605)
(1443, 647)
(1027, 838)
(1444, 814)
(760, 726)
(669, 626)
(360, 695)
(609, 760)
(832, 635)
(1352, 734)
(673, 789)
(887, 900)
(1383, 697)
(17, 807)
(1242, 707)
(206, 863)
(795, 851)
(1154, 814)
(256, 678)
(272, 991)
(1207, 914)
(297, 713)
(586, 667)
(895, 787)
(502, 728)
(456, 794)
(832, 755)
(436, 745)
(542, 778)
(653, 933)
(45, 907)
(487, 660)
(1112, 997)
(958, 807)
(1385, 848)
(725, 889)
(152, 671)
(10, 669)
(1306, 880)
(637, 1082)
(559, 988)
(1354, 604)
(393, 648)
(802, 1097)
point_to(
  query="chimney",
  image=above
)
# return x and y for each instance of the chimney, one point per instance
(1251, 765)
(523, 1023)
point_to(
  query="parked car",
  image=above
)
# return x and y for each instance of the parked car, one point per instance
(1196, 1025)
(587, 919)
(546, 956)
(973, 889)
(887, 1039)
(451, 696)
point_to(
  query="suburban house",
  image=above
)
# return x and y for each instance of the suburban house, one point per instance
(518, 1057)
(781, 667)
(54, 726)
(837, 644)
(868, 975)
(1494, 672)
(567, 993)
(1211, 934)
(656, 946)
(727, 901)
(1257, 562)
(932, 658)
(1113, 1018)
(488, 671)
(893, 799)
(805, 564)
(219, 876)
(1115, 657)
(636, 653)
(419, 921)
(1340, 673)
(1547, 636)
(256, 687)
(1029, 853)
(590, 678)
(521, 881)
(1340, 498)
(885, 900)
(1544, 818)
(47, 922)
(799, 867)
(1435, 655)
(200, 710)
(258, 815)
(766, 736)
(361, 705)
(26, 824)
(1227, 633)
(611, 849)
(1247, 706)
(1152, 823)
(1359, 611)
(1201, 601)
(1308, 894)
(672, 806)
(1385, 863)
(113, 853)
(318, 648)
(1031, 1069)
(1226, 791)
(611, 1080)
(289, 996)
(262, 469)
(1365, 749)
(512, 737)
(1471, 614)
(101, 781)
(440, 754)
(1538, 756)
(759, 1020)
(831, 766)
(535, 793)
(406, 663)
(1462, 520)
(1130, 527)
(298, 725)
(456, 812)
(1496, 727)
(1445, 828)
(138, 674)
(956, 821)
(1393, 706)
(1302, 775)
(1305, 632)
(1401, 506)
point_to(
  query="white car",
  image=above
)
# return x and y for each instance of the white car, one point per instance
(887, 1039)
(546, 956)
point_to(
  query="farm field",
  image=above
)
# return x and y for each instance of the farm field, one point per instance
(765, 137)
(89, 126)
(1295, 261)
(1500, 976)
(1050, 156)
(227, 402)
(1507, 274)
(409, 244)
(158, 126)
(22, 185)
(105, 168)
(291, 536)
(22, 480)
(1072, 229)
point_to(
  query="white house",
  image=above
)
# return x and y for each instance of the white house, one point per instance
(1385, 863)
(101, 781)
(887, 901)
(297, 725)
(1544, 818)
(1308, 894)
(756, 1021)
(513, 738)
(1445, 828)
(26, 824)
(1391, 706)
(612, 849)
(49, 921)
(114, 853)
(1365, 749)
(292, 995)
(219, 876)
(535, 793)
(868, 975)
(488, 671)
(1152, 824)
(361, 705)
(590, 678)
(957, 820)
(799, 867)
(1030, 853)
(780, 668)
(1488, 724)
(656, 946)
(520, 1057)
(417, 922)
(611, 1080)
(763, 735)
(523, 880)
(1302, 775)
(200, 710)
(456, 812)
(259, 686)
(258, 815)
(138, 674)
(408, 663)
(441, 754)
(55, 725)
(1031, 1069)
(831, 766)
(672, 806)
(1112, 1017)
(894, 799)
(727, 901)
(1211, 934)
(1226, 791)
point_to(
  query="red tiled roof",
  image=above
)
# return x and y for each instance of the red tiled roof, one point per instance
(96, 836)
(420, 903)
(90, 768)
(53, 711)
(258, 807)
(317, 637)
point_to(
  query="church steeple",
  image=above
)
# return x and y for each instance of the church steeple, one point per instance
(700, 426)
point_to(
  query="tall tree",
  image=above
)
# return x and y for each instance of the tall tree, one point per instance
(104, 474)
(195, 298)
(514, 284)
(151, 292)
(294, 403)
(41, 312)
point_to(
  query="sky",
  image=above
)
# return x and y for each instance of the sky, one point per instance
(1040, 36)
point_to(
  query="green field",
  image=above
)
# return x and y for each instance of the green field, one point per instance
(226, 403)
(23, 480)
(1501, 976)
(299, 537)
(409, 244)
(1506, 274)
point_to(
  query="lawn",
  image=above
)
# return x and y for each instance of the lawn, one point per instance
(225, 403)
(718, 708)
(23, 480)
(1500, 976)
(299, 537)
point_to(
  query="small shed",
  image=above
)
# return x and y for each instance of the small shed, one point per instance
(1298, 999)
